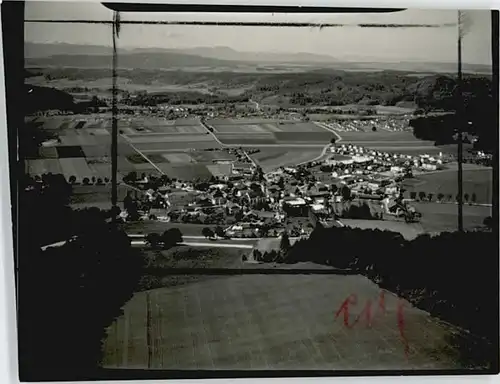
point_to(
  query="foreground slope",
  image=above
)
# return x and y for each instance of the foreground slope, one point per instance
(275, 322)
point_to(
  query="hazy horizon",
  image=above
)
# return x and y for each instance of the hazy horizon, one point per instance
(347, 43)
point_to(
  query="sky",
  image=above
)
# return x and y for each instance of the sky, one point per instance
(344, 43)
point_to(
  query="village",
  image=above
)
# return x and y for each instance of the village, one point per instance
(348, 182)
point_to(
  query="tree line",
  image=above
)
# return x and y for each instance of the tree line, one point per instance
(444, 274)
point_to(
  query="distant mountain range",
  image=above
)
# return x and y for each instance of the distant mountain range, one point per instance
(91, 56)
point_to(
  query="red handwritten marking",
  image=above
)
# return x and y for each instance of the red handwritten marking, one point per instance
(401, 326)
(381, 302)
(353, 299)
(369, 316)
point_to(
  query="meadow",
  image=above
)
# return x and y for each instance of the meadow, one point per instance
(272, 158)
(146, 145)
(436, 218)
(266, 322)
(475, 181)
(264, 131)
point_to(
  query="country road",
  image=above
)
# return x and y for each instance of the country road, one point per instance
(201, 244)
(192, 241)
(326, 127)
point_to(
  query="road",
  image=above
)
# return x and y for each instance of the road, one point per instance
(193, 241)
(324, 126)
(213, 244)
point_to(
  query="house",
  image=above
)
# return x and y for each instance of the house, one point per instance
(295, 207)
(219, 197)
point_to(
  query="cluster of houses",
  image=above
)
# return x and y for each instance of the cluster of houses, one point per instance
(360, 159)
(392, 124)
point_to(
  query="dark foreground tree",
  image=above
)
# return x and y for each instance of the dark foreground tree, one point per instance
(219, 231)
(285, 243)
(207, 232)
(171, 237)
(153, 240)
(69, 295)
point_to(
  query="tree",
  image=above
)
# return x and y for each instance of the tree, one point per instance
(413, 195)
(346, 193)
(171, 237)
(219, 231)
(133, 212)
(440, 197)
(374, 129)
(488, 222)
(284, 245)
(207, 232)
(86, 181)
(72, 179)
(153, 240)
(473, 198)
(281, 183)
(238, 216)
(430, 196)
(81, 269)
(333, 140)
(466, 197)
(422, 195)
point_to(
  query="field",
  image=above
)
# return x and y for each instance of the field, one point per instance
(409, 231)
(146, 145)
(268, 131)
(272, 158)
(273, 322)
(444, 217)
(478, 181)
(436, 218)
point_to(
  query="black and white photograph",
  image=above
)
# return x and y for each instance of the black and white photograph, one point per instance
(203, 191)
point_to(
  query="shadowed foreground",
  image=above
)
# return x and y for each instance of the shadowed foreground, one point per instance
(275, 322)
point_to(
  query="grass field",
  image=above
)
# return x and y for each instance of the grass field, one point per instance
(209, 156)
(272, 158)
(90, 196)
(478, 181)
(436, 218)
(165, 143)
(185, 171)
(209, 142)
(409, 231)
(444, 217)
(148, 226)
(268, 131)
(273, 322)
